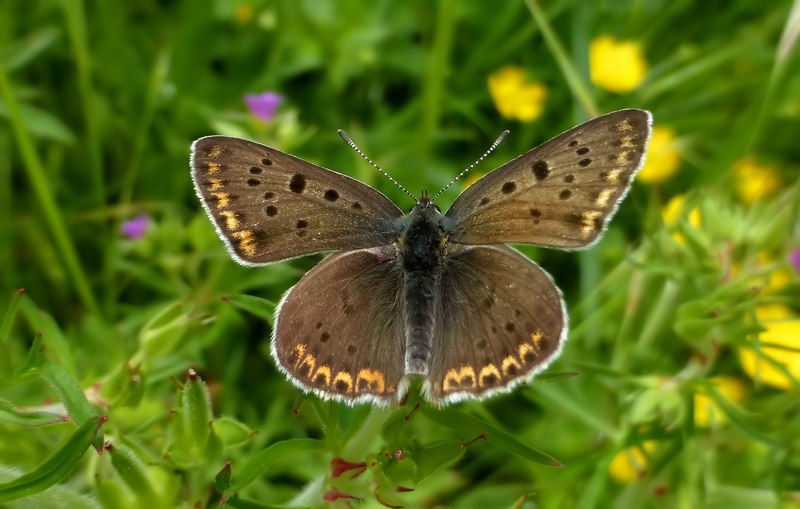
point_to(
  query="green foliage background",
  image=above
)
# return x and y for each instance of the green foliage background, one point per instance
(100, 102)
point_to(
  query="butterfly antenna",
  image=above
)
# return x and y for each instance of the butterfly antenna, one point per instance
(481, 158)
(352, 144)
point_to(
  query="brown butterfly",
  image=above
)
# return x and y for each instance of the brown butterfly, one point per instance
(420, 294)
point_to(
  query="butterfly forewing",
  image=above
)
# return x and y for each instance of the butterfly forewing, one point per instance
(560, 194)
(339, 330)
(268, 205)
(499, 320)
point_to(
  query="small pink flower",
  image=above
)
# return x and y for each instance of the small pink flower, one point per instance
(136, 228)
(263, 105)
(794, 258)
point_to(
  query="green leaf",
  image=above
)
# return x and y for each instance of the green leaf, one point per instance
(429, 459)
(113, 493)
(11, 314)
(495, 495)
(223, 478)
(125, 386)
(196, 413)
(162, 333)
(133, 471)
(396, 425)
(256, 306)
(13, 415)
(71, 394)
(259, 463)
(42, 124)
(52, 336)
(6, 370)
(19, 53)
(62, 496)
(231, 431)
(469, 424)
(5, 329)
(738, 419)
(33, 355)
(56, 468)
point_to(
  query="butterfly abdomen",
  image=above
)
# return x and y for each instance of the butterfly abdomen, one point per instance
(419, 292)
(421, 254)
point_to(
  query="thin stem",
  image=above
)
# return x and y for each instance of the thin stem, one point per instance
(75, 18)
(370, 430)
(574, 81)
(44, 193)
(436, 72)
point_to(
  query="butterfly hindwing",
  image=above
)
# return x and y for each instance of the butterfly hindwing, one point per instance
(560, 194)
(499, 320)
(339, 330)
(268, 205)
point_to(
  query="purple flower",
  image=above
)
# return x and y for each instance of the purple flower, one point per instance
(794, 258)
(137, 227)
(263, 105)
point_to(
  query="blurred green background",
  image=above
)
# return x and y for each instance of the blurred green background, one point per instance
(679, 385)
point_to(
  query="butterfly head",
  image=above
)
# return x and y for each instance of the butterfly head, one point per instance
(422, 238)
(425, 202)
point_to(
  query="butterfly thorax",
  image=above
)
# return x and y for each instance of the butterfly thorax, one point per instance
(421, 243)
(421, 249)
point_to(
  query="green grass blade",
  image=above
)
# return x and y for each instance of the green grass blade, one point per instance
(75, 18)
(574, 81)
(33, 355)
(45, 195)
(436, 73)
(469, 424)
(53, 337)
(259, 463)
(55, 468)
(69, 392)
(13, 415)
(11, 314)
(256, 306)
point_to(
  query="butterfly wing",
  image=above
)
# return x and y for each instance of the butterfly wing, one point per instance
(502, 320)
(560, 194)
(339, 330)
(268, 205)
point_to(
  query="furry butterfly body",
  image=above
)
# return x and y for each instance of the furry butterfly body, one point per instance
(420, 294)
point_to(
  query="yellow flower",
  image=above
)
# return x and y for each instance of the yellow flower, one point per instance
(776, 279)
(706, 410)
(618, 66)
(773, 281)
(244, 14)
(514, 97)
(631, 464)
(782, 332)
(754, 181)
(663, 158)
(672, 212)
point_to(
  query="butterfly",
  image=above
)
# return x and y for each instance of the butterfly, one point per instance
(425, 293)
